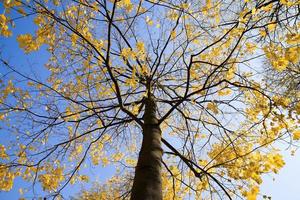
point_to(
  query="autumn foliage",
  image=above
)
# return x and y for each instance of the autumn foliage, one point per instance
(178, 95)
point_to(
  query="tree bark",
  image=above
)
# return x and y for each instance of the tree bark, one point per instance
(147, 179)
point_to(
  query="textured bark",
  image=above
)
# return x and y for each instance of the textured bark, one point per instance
(147, 180)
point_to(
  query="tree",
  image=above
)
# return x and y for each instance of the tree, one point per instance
(129, 73)
(286, 82)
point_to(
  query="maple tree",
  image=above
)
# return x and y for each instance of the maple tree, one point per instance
(181, 79)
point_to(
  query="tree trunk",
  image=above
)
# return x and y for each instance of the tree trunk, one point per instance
(147, 179)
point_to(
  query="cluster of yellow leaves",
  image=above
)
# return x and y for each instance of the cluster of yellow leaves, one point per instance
(95, 195)
(131, 162)
(292, 54)
(140, 50)
(191, 33)
(111, 189)
(172, 15)
(43, 35)
(135, 109)
(117, 156)
(171, 181)
(272, 130)
(250, 47)
(216, 54)
(9, 89)
(6, 178)
(126, 4)
(296, 135)
(293, 38)
(290, 2)
(22, 154)
(173, 34)
(230, 74)
(76, 151)
(127, 54)
(258, 104)
(132, 81)
(71, 114)
(138, 53)
(252, 194)
(3, 154)
(52, 178)
(84, 178)
(167, 185)
(282, 101)
(4, 26)
(27, 43)
(244, 166)
(274, 54)
(96, 152)
(11, 3)
(271, 27)
(224, 92)
(29, 173)
(213, 107)
(281, 57)
(212, 10)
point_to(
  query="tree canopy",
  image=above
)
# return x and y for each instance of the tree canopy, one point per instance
(183, 99)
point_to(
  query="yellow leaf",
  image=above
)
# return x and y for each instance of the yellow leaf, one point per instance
(140, 46)
(224, 92)
(3, 154)
(272, 26)
(84, 178)
(296, 135)
(293, 38)
(213, 107)
(173, 34)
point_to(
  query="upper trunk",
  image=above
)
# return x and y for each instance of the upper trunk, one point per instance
(147, 179)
